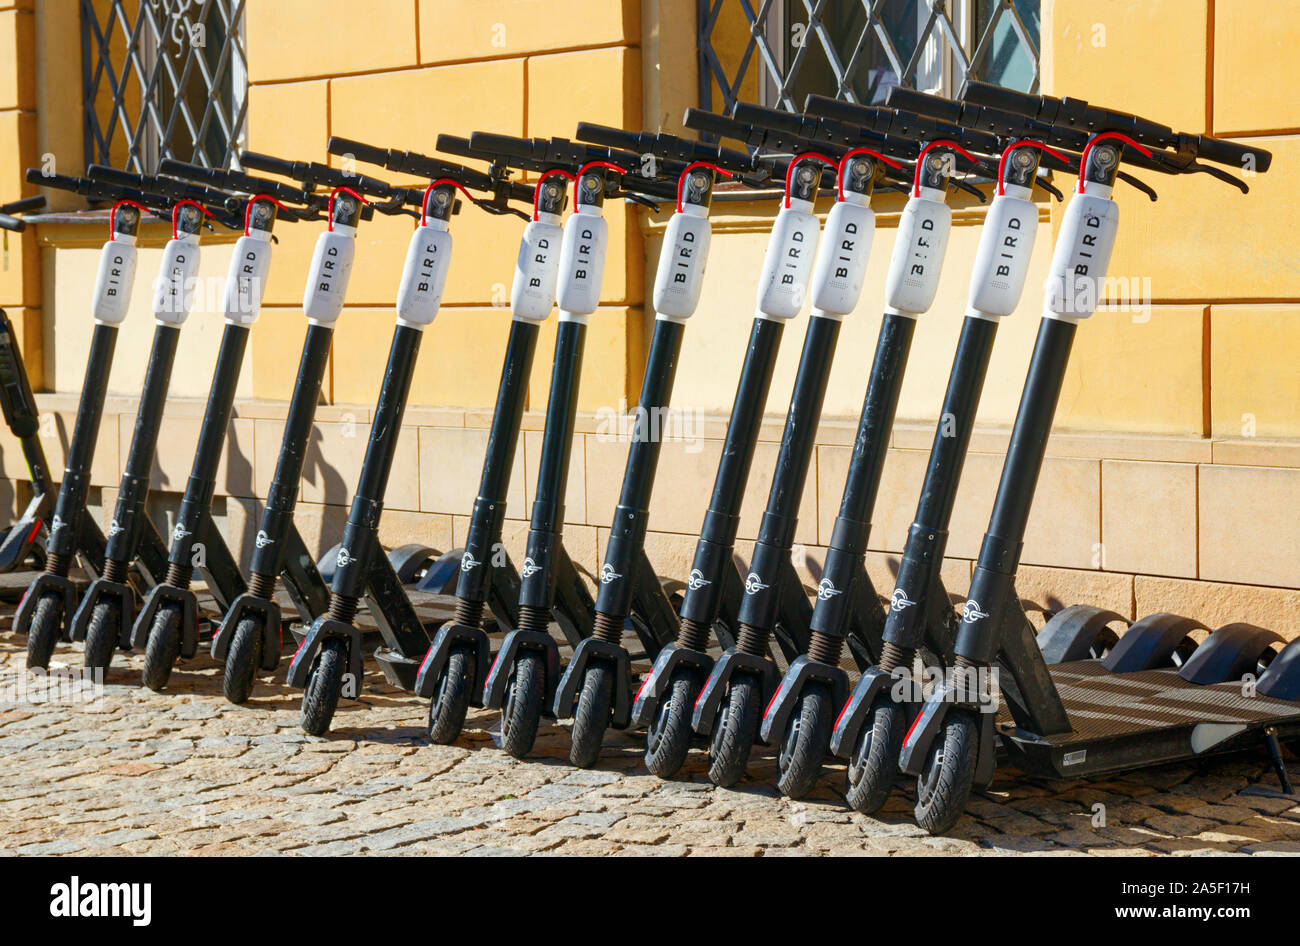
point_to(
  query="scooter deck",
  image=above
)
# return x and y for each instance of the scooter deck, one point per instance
(1133, 720)
(13, 585)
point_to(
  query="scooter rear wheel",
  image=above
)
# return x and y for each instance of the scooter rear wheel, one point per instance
(943, 787)
(591, 718)
(523, 709)
(102, 634)
(668, 739)
(807, 737)
(44, 631)
(733, 739)
(243, 660)
(873, 767)
(164, 647)
(451, 702)
(320, 698)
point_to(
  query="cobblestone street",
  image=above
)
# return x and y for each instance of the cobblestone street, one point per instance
(186, 773)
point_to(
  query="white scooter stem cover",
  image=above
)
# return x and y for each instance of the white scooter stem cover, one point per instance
(1002, 261)
(424, 274)
(842, 257)
(114, 280)
(582, 260)
(174, 290)
(537, 268)
(919, 249)
(246, 281)
(787, 266)
(1082, 255)
(327, 282)
(682, 258)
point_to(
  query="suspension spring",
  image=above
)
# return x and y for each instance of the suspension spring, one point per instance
(261, 586)
(825, 649)
(468, 613)
(343, 608)
(752, 640)
(607, 628)
(692, 635)
(114, 571)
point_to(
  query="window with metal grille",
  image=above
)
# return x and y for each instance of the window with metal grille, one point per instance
(777, 52)
(163, 79)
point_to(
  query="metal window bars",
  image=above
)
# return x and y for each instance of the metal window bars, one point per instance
(163, 79)
(856, 49)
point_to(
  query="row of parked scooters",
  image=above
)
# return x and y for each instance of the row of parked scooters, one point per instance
(734, 653)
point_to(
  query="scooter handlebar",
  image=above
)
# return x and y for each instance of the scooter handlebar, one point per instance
(665, 145)
(236, 180)
(25, 205)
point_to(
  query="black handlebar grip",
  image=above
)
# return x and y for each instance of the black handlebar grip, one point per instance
(59, 181)
(102, 172)
(501, 144)
(923, 103)
(715, 124)
(25, 205)
(455, 144)
(362, 152)
(1229, 152)
(15, 224)
(1000, 97)
(609, 137)
(264, 162)
(763, 117)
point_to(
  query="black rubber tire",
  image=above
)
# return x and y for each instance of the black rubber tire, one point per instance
(163, 648)
(873, 766)
(243, 659)
(320, 698)
(668, 738)
(102, 634)
(944, 786)
(807, 740)
(734, 730)
(523, 710)
(45, 630)
(591, 718)
(451, 702)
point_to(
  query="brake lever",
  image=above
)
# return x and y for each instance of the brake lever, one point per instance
(1048, 186)
(1141, 185)
(969, 188)
(1195, 167)
(635, 198)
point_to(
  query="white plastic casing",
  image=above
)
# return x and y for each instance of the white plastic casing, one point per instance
(842, 257)
(424, 274)
(114, 280)
(1002, 260)
(791, 251)
(918, 254)
(537, 267)
(331, 265)
(174, 290)
(1082, 255)
(582, 262)
(682, 259)
(246, 281)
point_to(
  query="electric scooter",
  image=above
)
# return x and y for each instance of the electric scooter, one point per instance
(1088, 716)
(20, 541)
(52, 597)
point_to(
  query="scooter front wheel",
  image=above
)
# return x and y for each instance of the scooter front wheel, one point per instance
(733, 739)
(591, 718)
(44, 631)
(242, 660)
(102, 634)
(807, 737)
(451, 702)
(873, 767)
(668, 739)
(523, 709)
(321, 697)
(164, 647)
(944, 785)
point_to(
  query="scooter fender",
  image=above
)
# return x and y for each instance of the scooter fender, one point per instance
(322, 629)
(657, 681)
(441, 577)
(566, 693)
(928, 725)
(706, 706)
(450, 634)
(42, 585)
(494, 687)
(1071, 634)
(1230, 652)
(1150, 642)
(99, 590)
(272, 628)
(1281, 681)
(157, 597)
(802, 671)
(844, 736)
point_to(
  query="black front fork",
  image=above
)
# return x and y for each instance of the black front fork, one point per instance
(72, 531)
(130, 532)
(547, 571)
(196, 543)
(278, 547)
(487, 576)
(20, 412)
(363, 570)
(627, 580)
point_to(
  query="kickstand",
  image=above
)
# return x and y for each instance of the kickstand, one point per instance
(1275, 753)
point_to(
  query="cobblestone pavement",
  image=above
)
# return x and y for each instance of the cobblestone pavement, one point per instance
(184, 772)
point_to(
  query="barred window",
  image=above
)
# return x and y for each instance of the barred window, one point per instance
(777, 52)
(163, 79)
